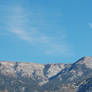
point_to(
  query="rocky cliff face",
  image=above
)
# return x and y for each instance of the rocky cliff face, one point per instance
(32, 77)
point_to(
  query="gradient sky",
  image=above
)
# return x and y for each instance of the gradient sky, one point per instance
(45, 31)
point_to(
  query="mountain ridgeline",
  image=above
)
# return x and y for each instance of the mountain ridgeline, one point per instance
(32, 77)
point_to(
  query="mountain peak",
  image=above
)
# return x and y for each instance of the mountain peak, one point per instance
(86, 60)
(86, 57)
(26, 77)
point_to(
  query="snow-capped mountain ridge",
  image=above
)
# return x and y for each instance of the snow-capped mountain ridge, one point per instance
(21, 77)
(38, 72)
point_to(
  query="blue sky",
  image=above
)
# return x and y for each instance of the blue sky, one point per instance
(45, 31)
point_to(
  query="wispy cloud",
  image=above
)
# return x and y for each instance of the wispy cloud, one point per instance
(19, 23)
(90, 25)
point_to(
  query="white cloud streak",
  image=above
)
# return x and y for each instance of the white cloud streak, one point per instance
(90, 25)
(17, 24)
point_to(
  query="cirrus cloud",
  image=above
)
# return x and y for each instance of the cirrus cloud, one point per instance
(19, 22)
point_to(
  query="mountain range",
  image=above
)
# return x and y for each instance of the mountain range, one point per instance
(32, 77)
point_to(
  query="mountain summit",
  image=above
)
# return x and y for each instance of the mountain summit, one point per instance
(87, 61)
(32, 77)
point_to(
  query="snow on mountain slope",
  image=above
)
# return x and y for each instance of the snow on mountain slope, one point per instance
(23, 77)
(87, 61)
(38, 72)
